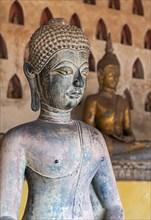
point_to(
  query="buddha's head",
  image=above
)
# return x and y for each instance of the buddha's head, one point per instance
(57, 65)
(108, 68)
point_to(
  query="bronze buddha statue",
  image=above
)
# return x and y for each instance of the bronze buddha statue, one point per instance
(106, 110)
(59, 157)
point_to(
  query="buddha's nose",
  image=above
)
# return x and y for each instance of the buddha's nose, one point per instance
(78, 80)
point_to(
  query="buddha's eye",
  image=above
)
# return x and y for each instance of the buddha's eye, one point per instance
(64, 72)
(85, 73)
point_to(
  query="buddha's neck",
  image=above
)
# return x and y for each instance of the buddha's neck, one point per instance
(108, 90)
(108, 93)
(54, 115)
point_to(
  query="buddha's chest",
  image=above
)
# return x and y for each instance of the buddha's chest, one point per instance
(109, 106)
(56, 152)
(106, 103)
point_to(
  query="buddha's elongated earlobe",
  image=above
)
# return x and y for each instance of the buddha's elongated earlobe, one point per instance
(31, 77)
(100, 75)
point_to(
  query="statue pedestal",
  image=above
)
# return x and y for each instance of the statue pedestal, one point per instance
(134, 164)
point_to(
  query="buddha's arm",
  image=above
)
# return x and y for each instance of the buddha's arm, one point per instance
(127, 126)
(89, 111)
(12, 164)
(105, 187)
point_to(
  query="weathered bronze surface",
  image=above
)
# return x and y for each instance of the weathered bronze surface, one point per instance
(106, 110)
(60, 157)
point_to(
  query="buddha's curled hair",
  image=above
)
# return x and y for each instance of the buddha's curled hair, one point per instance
(52, 37)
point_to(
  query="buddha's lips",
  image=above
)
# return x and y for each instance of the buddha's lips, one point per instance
(75, 93)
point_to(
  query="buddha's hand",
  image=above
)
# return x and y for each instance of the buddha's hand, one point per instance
(123, 138)
(118, 137)
(115, 213)
(128, 139)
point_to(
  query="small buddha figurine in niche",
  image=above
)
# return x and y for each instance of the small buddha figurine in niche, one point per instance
(60, 157)
(106, 110)
(15, 19)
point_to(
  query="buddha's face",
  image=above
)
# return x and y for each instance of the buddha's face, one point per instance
(111, 76)
(63, 80)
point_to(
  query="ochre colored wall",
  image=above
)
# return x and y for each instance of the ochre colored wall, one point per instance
(136, 199)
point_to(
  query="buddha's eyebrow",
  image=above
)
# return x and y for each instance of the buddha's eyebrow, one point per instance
(62, 63)
(84, 65)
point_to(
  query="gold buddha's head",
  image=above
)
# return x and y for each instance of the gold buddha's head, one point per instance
(58, 64)
(108, 68)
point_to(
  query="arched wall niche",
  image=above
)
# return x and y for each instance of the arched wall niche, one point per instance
(14, 90)
(137, 69)
(114, 4)
(148, 102)
(91, 62)
(137, 8)
(126, 36)
(16, 14)
(1, 135)
(3, 49)
(92, 2)
(45, 16)
(147, 40)
(129, 99)
(101, 30)
(75, 21)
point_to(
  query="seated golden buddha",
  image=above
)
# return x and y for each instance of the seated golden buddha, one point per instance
(106, 110)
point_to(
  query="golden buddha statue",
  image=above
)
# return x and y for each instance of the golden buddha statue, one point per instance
(106, 110)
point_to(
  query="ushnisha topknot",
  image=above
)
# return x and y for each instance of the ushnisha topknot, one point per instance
(52, 37)
(109, 57)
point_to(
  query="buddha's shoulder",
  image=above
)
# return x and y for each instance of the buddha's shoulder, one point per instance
(121, 99)
(18, 133)
(92, 131)
(92, 138)
(92, 98)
